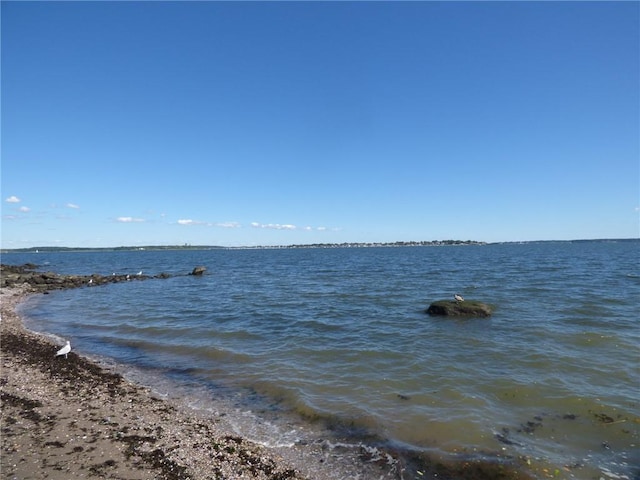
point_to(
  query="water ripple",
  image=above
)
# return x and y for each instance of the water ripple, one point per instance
(341, 335)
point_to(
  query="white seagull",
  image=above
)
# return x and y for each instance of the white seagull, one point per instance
(458, 297)
(140, 273)
(64, 350)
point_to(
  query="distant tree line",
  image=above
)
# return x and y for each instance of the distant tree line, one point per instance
(424, 243)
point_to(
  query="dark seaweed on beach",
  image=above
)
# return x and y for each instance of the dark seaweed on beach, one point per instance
(73, 370)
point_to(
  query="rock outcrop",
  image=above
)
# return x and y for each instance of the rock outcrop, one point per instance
(198, 271)
(11, 275)
(467, 308)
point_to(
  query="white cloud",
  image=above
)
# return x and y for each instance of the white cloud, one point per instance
(228, 225)
(72, 205)
(188, 221)
(278, 226)
(129, 220)
(12, 199)
(273, 226)
(24, 209)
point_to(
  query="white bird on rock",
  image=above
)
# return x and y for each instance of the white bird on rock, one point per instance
(64, 350)
(458, 297)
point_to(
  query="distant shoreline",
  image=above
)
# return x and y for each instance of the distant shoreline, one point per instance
(398, 244)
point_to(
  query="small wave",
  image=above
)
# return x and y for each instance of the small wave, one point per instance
(263, 432)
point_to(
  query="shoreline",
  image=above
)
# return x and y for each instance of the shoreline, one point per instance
(73, 418)
(70, 418)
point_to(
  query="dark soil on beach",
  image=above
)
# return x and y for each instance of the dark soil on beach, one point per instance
(69, 417)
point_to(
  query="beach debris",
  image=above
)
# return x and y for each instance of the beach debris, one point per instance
(64, 350)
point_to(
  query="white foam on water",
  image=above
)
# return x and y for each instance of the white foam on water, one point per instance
(615, 476)
(263, 432)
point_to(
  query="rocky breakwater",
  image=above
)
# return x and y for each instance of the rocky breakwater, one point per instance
(465, 308)
(17, 275)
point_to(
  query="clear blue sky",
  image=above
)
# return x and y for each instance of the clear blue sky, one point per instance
(147, 123)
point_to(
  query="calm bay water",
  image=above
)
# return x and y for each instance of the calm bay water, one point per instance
(551, 381)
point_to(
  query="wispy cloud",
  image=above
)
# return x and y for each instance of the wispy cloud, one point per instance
(228, 225)
(273, 226)
(279, 226)
(72, 205)
(24, 209)
(12, 199)
(188, 221)
(129, 220)
(268, 226)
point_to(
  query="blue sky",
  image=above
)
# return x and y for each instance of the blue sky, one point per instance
(242, 123)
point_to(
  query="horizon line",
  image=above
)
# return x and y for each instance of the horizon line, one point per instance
(398, 243)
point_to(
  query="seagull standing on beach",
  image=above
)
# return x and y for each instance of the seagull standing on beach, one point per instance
(458, 297)
(64, 350)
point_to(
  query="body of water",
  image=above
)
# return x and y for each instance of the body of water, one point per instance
(550, 382)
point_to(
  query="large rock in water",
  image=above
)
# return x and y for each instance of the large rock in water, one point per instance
(467, 308)
(198, 270)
